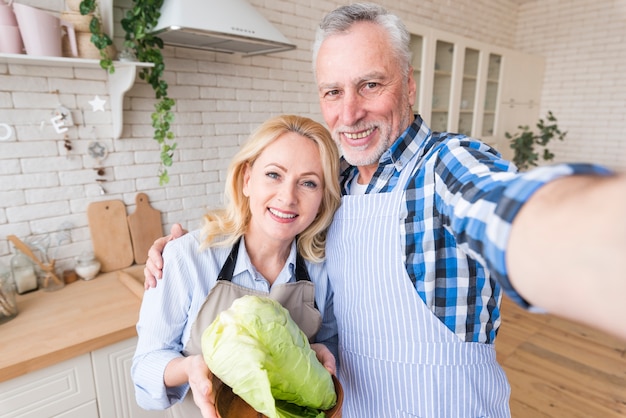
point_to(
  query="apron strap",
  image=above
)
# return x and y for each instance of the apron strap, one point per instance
(226, 273)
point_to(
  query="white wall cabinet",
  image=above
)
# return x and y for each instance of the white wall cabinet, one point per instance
(94, 385)
(474, 88)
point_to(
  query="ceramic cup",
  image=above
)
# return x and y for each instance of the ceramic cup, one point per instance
(41, 31)
(7, 17)
(11, 40)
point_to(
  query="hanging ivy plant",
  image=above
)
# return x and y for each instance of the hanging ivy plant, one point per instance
(98, 37)
(146, 47)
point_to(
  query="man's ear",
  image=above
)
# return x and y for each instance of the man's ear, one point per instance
(412, 86)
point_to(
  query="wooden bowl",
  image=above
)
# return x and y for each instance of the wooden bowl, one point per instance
(229, 405)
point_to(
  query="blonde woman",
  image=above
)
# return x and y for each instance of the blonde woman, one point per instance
(269, 239)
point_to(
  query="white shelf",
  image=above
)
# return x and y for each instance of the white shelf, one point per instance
(119, 82)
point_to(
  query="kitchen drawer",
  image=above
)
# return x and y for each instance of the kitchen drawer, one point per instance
(88, 410)
(51, 392)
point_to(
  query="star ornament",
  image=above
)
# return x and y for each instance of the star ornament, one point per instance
(97, 104)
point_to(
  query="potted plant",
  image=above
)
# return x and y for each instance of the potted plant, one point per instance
(146, 47)
(524, 142)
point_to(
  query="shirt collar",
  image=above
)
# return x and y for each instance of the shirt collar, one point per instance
(244, 263)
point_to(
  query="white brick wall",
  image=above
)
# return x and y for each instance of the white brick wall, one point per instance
(584, 43)
(221, 98)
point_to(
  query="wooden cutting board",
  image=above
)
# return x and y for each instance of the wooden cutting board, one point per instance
(110, 235)
(145, 227)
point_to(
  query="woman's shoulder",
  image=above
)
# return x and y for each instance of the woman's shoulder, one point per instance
(189, 241)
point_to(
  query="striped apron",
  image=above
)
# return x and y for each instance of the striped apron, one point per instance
(396, 358)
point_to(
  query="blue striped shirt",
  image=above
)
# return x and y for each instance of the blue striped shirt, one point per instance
(460, 204)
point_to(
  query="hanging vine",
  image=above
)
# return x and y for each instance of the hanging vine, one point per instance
(146, 47)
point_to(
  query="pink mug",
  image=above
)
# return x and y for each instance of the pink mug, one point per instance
(41, 31)
(7, 17)
(11, 40)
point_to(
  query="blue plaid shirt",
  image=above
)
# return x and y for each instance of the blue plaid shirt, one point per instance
(460, 204)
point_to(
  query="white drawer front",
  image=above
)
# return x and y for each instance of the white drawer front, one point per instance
(50, 391)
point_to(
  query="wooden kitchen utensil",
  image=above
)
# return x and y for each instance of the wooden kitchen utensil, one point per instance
(110, 236)
(50, 278)
(145, 227)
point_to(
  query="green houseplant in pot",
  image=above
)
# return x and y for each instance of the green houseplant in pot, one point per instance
(530, 146)
(146, 47)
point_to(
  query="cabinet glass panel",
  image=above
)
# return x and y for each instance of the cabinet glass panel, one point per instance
(468, 91)
(416, 45)
(442, 85)
(491, 94)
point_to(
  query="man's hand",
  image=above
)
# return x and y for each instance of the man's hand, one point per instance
(154, 265)
(325, 357)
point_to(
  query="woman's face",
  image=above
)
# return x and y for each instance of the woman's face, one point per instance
(285, 186)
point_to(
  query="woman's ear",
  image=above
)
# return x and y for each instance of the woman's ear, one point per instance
(246, 180)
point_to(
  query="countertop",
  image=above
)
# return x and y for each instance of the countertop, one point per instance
(52, 327)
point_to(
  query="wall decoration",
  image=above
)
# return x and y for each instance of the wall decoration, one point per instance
(6, 132)
(61, 119)
(98, 151)
(97, 104)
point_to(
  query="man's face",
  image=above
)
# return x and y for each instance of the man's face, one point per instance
(365, 100)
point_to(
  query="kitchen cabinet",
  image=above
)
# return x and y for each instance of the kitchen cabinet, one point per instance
(118, 83)
(93, 385)
(65, 389)
(114, 387)
(474, 88)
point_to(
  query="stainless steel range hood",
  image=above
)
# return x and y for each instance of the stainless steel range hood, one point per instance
(231, 26)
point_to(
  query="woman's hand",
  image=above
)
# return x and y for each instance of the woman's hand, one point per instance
(200, 382)
(325, 357)
(193, 370)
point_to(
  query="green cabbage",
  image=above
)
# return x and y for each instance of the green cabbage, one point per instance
(260, 352)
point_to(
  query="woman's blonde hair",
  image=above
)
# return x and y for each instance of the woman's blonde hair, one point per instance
(223, 227)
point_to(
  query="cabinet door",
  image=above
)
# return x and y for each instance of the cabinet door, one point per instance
(114, 387)
(90, 409)
(442, 85)
(469, 90)
(492, 89)
(64, 388)
(522, 81)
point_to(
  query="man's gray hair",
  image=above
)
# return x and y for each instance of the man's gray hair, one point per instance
(341, 19)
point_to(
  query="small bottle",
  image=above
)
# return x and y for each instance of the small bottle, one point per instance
(87, 266)
(24, 273)
(8, 305)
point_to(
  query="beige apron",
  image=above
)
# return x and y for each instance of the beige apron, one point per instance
(298, 298)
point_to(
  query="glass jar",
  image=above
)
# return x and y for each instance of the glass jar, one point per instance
(87, 266)
(50, 280)
(8, 305)
(24, 273)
